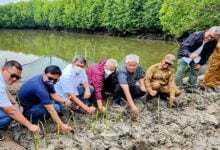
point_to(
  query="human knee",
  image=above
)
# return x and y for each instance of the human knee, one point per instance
(58, 107)
(4, 122)
(118, 89)
(91, 88)
(177, 92)
(155, 85)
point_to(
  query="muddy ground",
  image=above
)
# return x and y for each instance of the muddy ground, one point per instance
(193, 125)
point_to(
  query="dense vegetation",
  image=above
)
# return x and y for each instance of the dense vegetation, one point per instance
(179, 16)
(118, 16)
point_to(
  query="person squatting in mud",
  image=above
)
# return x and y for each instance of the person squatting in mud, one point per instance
(9, 110)
(38, 98)
(127, 87)
(74, 84)
(46, 95)
(98, 75)
(159, 79)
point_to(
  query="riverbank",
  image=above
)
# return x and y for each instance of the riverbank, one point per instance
(193, 124)
(145, 35)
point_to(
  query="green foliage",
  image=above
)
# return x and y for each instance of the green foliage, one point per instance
(123, 16)
(180, 16)
(119, 16)
(151, 15)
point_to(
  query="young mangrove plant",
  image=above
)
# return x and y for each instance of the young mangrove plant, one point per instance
(158, 109)
(96, 120)
(44, 134)
(58, 131)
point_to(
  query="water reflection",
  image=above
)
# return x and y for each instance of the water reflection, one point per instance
(96, 47)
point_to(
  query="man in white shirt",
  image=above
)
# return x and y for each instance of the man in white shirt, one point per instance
(11, 72)
(74, 84)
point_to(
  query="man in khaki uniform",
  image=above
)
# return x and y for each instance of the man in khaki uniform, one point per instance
(160, 78)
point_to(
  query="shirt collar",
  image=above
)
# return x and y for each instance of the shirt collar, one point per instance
(160, 66)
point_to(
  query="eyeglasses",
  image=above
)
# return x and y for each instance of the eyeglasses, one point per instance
(14, 76)
(52, 79)
(169, 64)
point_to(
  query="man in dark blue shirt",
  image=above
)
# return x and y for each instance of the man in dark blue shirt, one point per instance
(39, 99)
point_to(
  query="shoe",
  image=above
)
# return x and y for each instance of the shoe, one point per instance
(115, 105)
(163, 96)
(217, 90)
(1, 137)
(60, 114)
(207, 90)
(123, 102)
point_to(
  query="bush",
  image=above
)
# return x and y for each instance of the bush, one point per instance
(181, 16)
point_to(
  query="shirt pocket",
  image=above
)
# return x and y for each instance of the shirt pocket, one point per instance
(157, 76)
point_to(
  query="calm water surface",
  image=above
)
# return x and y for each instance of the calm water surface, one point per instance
(30, 47)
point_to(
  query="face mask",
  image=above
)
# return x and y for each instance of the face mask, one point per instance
(77, 69)
(107, 73)
(49, 84)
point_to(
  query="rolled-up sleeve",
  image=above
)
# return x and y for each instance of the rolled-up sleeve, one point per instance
(148, 77)
(98, 84)
(140, 73)
(4, 100)
(172, 84)
(122, 78)
(83, 77)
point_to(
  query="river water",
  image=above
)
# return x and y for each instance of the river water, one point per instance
(35, 49)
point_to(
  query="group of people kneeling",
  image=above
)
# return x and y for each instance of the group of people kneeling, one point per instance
(81, 89)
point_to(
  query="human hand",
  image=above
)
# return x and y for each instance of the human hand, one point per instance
(102, 109)
(135, 110)
(87, 94)
(143, 88)
(193, 55)
(91, 109)
(67, 103)
(34, 128)
(21, 109)
(66, 128)
(153, 92)
(172, 98)
(198, 67)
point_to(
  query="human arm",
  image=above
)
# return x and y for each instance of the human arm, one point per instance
(50, 108)
(98, 83)
(11, 98)
(208, 50)
(141, 83)
(172, 86)
(147, 81)
(14, 113)
(100, 105)
(59, 99)
(75, 99)
(87, 93)
(129, 98)
(187, 45)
